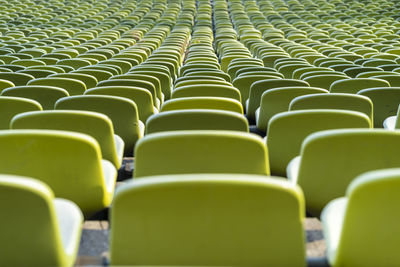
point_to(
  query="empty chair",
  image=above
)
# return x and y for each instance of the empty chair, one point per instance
(195, 119)
(334, 101)
(202, 90)
(11, 106)
(243, 83)
(94, 124)
(5, 84)
(72, 86)
(44, 229)
(385, 100)
(122, 111)
(70, 163)
(200, 152)
(208, 220)
(393, 80)
(353, 86)
(45, 95)
(16, 78)
(287, 130)
(324, 80)
(353, 224)
(277, 100)
(325, 176)
(354, 71)
(259, 87)
(219, 103)
(89, 80)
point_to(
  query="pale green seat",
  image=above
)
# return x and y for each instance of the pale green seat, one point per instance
(277, 100)
(37, 73)
(112, 69)
(164, 79)
(45, 95)
(334, 101)
(185, 152)
(375, 74)
(324, 80)
(122, 111)
(202, 90)
(94, 124)
(243, 83)
(89, 80)
(298, 72)
(5, 84)
(123, 65)
(393, 80)
(200, 81)
(319, 73)
(287, 70)
(355, 71)
(352, 224)
(70, 163)
(353, 86)
(258, 88)
(331, 159)
(75, 63)
(44, 229)
(385, 101)
(28, 62)
(211, 73)
(72, 86)
(208, 220)
(11, 106)
(133, 83)
(140, 96)
(16, 78)
(287, 130)
(196, 119)
(49, 68)
(218, 103)
(254, 68)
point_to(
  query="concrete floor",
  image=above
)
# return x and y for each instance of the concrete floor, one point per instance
(93, 248)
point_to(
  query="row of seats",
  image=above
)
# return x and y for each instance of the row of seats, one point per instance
(179, 85)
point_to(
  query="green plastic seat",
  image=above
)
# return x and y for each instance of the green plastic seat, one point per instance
(195, 119)
(325, 176)
(355, 71)
(75, 63)
(72, 86)
(218, 103)
(122, 112)
(37, 73)
(70, 163)
(100, 75)
(5, 84)
(211, 73)
(243, 83)
(11, 106)
(94, 124)
(371, 197)
(16, 78)
(89, 80)
(258, 88)
(298, 72)
(164, 79)
(184, 152)
(277, 100)
(385, 101)
(202, 90)
(353, 86)
(47, 233)
(324, 80)
(287, 130)
(393, 80)
(45, 95)
(334, 101)
(232, 217)
(140, 96)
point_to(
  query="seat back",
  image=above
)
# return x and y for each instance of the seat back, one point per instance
(186, 152)
(202, 90)
(11, 106)
(72, 86)
(94, 124)
(220, 103)
(69, 162)
(325, 176)
(353, 86)
(209, 220)
(25, 199)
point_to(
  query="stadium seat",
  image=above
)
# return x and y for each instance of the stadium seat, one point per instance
(353, 86)
(219, 103)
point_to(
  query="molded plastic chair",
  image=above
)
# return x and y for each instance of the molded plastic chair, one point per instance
(353, 86)
(258, 88)
(89, 80)
(16, 78)
(208, 219)
(11, 106)
(219, 103)
(122, 112)
(45, 95)
(324, 81)
(287, 130)
(277, 100)
(385, 100)
(353, 224)
(94, 124)
(243, 83)
(325, 176)
(72, 86)
(202, 90)
(70, 163)
(46, 230)
(195, 119)
(185, 152)
(334, 101)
